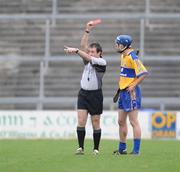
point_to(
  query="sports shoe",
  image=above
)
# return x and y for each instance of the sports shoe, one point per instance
(79, 151)
(134, 153)
(95, 152)
(116, 152)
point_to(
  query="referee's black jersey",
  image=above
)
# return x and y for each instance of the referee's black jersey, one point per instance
(93, 74)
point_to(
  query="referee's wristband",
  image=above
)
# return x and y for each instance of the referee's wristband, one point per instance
(87, 31)
(77, 51)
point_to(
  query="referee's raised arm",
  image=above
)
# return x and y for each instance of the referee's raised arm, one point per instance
(85, 37)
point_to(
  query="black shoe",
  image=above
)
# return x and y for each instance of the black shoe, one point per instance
(116, 152)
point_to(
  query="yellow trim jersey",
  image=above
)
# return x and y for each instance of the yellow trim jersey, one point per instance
(131, 69)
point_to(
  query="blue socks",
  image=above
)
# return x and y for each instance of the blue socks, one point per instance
(122, 147)
(136, 146)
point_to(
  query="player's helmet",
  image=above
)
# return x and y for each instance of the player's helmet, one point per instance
(125, 40)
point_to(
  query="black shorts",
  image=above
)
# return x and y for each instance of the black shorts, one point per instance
(92, 101)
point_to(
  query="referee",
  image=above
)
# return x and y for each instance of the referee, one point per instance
(90, 97)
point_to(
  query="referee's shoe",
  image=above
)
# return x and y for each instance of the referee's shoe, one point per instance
(95, 152)
(79, 151)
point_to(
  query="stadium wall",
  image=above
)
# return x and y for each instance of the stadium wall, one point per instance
(62, 125)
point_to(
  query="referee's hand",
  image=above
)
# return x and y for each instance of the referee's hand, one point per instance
(89, 26)
(70, 50)
(92, 24)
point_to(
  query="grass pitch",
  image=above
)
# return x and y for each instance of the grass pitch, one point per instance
(58, 156)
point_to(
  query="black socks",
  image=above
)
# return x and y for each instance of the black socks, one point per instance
(96, 138)
(81, 135)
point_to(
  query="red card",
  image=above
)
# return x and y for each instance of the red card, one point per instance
(95, 22)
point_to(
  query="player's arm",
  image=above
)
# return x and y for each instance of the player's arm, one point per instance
(82, 54)
(136, 82)
(141, 73)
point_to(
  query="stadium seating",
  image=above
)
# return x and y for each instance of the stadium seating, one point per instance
(25, 6)
(68, 75)
(81, 6)
(62, 79)
(27, 38)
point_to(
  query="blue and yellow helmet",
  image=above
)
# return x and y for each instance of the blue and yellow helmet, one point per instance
(125, 40)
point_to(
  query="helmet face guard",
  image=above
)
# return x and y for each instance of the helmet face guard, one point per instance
(124, 40)
(120, 49)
